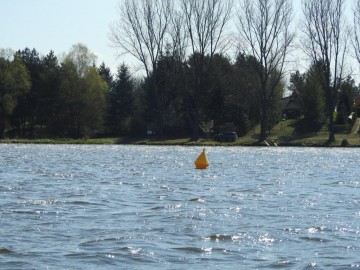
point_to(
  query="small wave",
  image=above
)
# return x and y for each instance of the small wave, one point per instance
(236, 209)
(157, 208)
(38, 202)
(23, 212)
(311, 265)
(81, 255)
(5, 251)
(316, 229)
(346, 183)
(286, 264)
(314, 239)
(82, 203)
(194, 249)
(222, 237)
(97, 241)
(292, 230)
(132, 250)
(267, 239)
(197, 200)
(165, 187)
(179, 205)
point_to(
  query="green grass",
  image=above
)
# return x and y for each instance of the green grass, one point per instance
(282, 134)
(61, 141)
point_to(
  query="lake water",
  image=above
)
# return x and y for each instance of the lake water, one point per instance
(146, 207)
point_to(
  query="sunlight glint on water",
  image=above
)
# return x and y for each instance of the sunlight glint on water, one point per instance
(146, 207)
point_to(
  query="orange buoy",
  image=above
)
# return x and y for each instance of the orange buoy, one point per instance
(202, 162)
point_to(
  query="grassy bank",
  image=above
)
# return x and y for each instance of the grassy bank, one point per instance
(282, 135)
(61, 141)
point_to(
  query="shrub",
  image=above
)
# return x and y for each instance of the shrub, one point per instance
(343, 129)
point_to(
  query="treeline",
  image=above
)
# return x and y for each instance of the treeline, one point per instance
(196, 32)
(310, 98)
(191, 87)
(46, 97)
(42, 97)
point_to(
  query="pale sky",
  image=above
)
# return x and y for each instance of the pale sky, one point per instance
(58, 24)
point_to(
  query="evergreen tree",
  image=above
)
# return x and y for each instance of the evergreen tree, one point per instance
(121, 102)
(346, 98)
(166, 109)
(28, 110)
(49, 94)
(105, 73)
(219, 104)
(307, 89)
(14, 82)
(245, 91)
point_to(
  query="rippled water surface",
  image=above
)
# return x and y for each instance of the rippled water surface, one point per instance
(146, 207)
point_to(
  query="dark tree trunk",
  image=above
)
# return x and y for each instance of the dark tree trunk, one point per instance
(331, 124)
(263, 124)
(2, 127)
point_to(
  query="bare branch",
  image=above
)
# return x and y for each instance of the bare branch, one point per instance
(356, 39)
(206, 21)
(179, 36)
(264, 29)
(326, 35)
(265, 33)
(141, 30)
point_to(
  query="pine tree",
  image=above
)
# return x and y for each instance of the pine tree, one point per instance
(120, 101)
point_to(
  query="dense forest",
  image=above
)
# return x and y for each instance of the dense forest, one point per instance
(191, 86)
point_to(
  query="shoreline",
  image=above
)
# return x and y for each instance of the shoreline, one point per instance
(282, 135)
(240, 142)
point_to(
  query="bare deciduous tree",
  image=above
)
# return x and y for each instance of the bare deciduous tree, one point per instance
(264, 28)
(325, 43)
(356, 39)
(205, 22)
(179, 35)
(141, 30)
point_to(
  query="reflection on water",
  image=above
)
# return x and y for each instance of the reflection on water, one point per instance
(146, 207)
